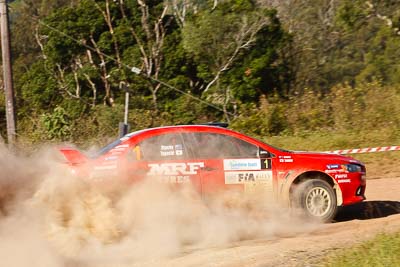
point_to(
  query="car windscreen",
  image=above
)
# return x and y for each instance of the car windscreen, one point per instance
(110, 146)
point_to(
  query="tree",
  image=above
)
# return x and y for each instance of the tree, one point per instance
(84, 51)
(369, 41)
(231, 41)
(311, 24)
(340, 41)
(149, 34)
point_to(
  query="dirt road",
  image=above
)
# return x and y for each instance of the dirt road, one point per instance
(380, 213)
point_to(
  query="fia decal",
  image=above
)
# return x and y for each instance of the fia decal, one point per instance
(248, 177)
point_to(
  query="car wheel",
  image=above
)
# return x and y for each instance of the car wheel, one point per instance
(317, 200)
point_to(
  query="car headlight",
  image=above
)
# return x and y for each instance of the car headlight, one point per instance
(351, 167)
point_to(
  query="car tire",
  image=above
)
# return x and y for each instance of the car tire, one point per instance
(316, 199)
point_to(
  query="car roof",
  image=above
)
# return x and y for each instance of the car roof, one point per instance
(160, 130)
(145, 133)
(199, 127)
(210, 128)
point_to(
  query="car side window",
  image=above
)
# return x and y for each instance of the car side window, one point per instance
(162, 147)
(212, 145)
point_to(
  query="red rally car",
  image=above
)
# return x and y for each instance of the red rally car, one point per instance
(214, 158)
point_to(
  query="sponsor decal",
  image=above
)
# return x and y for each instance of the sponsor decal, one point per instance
(285, 159)
(337, 167)
(179, 150)
(341, 176)
(181, 168)
(167, 147)
(344, 181)
(336, 171)
(242, 164)
(248, 177)
(332, 171)
(171, 150)
(174, 179)
(167, 153)
(332, 166)
(111, 158)
(122, 146)
(167, 150)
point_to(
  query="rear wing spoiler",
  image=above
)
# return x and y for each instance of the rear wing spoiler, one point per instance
(73, 156)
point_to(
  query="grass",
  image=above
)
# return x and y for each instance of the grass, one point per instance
(383, 250)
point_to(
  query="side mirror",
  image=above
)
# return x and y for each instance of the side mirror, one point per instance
(263, 153)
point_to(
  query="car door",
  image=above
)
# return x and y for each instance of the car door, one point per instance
(230, 163)
(164, 157)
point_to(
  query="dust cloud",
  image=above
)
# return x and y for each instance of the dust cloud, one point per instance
(50, 218)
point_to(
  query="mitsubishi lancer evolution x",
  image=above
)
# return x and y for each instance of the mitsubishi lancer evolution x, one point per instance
(214, 158)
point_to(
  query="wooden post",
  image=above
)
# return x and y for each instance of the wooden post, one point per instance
(7, 74)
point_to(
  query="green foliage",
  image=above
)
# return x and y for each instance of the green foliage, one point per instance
(176, 111)
(382, 58)
(257, 68)
(38, 90)
(56, 124)
(269, 119)
(209, 44)
(367, 107)
(382, 108)
(348, 106)
(368, 42)
(351, 14)
(263, 70)
(342, 41)
(309, 112)
(251, 121)
(100, 124)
